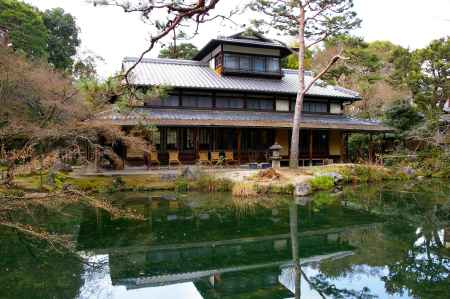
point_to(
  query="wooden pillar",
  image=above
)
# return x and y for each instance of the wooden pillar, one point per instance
(196, 143)
(370, 149)
(343, 148)
(239, 134)
(310, 147)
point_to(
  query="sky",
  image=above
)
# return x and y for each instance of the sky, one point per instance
(113, 34)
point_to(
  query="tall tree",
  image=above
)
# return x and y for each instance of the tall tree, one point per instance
(434, 83)
(311, 21)
(181, 51)
(26, 27)
(62, 38)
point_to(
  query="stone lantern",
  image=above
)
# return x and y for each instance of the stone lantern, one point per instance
(276, 157)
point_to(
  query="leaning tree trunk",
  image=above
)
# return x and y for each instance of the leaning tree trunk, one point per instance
(295, 141)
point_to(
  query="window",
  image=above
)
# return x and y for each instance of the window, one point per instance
(273, 64)
(187, 138)
(172, 138)
(197, 101)
(204, 139)
(172, 100)
(229, 102)
(259, 64)
(315, 107)
(232, 61)
(260, 104)
(247, 63)
(244, 63)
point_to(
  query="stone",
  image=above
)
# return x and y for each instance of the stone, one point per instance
(303, 200)
(409, 171)
(61, 166)
(421, 178)
(191, 173)
(337, 177)
(302, 189)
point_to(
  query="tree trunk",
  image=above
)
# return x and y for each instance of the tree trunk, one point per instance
(10, 174)
(295, 141)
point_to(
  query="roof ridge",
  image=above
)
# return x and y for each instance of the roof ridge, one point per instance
(165, 61)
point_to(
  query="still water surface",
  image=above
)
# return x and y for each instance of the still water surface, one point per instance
(382, 241)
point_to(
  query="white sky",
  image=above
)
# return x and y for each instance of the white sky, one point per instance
(112, 34)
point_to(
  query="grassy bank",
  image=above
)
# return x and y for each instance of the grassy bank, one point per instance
(264, 182)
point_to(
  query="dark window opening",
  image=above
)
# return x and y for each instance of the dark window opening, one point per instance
(196, 101)
(229, 102)
(255, 64)
(260, 104)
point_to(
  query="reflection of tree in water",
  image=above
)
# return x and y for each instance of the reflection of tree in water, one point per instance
(32, 269)
(411, 243)
(320, 283)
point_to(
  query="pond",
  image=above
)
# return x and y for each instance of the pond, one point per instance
(382, 241)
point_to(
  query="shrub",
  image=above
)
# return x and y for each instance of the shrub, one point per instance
(322, 182)
(208, 183)
(181, 185)
(244, 189)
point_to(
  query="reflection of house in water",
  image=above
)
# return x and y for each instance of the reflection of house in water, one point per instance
(224, 254)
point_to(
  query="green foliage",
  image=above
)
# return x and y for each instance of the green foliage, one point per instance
(291, 61)
(206, 183)
(62, 38)
(403, 116)
(181, 51)
(322, 182)
(118, 184)
(332, 17)
(181, 185)
(26, 28)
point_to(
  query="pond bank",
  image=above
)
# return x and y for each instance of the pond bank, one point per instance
(242, 182)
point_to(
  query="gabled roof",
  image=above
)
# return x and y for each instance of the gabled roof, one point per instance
(195, 74)
(244, 38)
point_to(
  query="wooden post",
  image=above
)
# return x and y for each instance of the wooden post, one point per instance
(343, 149)
(310, 147)
(239, 145)
(196, 143)
(370, 149)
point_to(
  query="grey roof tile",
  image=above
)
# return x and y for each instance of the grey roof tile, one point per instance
(238, 119)
(195, 74)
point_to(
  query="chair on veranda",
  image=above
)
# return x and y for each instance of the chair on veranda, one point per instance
(203, 158)
(216, 159)
(229, 158)
(154, 158)
(174, 158)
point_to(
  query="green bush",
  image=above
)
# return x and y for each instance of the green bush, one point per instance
(181, 185)
(208, 183)
(322, 183)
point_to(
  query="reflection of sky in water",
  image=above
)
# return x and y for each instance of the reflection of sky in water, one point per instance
(98, 285)
(97, 280)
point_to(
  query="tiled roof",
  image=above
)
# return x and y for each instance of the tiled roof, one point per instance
(187, 117)
(195, 74)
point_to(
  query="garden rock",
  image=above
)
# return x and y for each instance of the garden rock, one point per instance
(302, 189)
(337, 177)
(61, 166)
(408, 171)
(191, 173)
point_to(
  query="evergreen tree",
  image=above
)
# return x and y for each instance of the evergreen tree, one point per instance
(311, 21)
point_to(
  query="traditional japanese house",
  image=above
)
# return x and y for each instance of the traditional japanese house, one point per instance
(234, 96)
